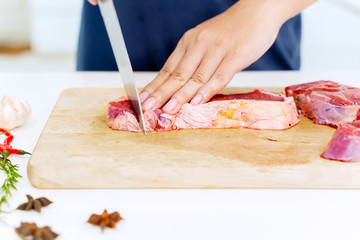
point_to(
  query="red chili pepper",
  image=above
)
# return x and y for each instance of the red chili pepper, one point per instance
(9, 136)
(6, 148)
(17, 151)
(8, 140)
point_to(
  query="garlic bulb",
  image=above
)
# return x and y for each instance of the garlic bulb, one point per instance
(14, 112)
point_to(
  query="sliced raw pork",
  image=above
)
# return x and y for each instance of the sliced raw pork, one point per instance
(345, 143)
(257, 110)
(336, 105)
(326, 102)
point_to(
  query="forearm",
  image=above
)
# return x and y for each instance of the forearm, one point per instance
(290, 8)
(279, 11)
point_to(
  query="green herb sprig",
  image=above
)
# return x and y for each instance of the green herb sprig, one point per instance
(11, 179)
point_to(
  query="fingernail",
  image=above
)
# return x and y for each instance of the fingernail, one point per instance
(171, 105)
(196, 100)
(149, 103)
(143, 96)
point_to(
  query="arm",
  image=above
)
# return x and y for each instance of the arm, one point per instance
(208, 56)
(93, 2)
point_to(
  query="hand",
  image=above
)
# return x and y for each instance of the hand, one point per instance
(208, 56)
(93, 2)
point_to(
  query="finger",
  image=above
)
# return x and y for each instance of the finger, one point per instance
(164, 73)
(222, 76)
(202, 75)
(176, 80)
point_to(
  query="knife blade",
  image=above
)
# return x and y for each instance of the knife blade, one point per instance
(112, 25)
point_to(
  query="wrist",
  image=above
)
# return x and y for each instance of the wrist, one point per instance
(269, 11)
(290, 8)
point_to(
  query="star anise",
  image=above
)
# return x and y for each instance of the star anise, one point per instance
(105, 219)
(36, 204)
(31, 229)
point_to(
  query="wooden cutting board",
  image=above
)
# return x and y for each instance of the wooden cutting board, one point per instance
(78, 150)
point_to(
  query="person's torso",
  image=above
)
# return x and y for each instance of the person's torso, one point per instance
(152, 29)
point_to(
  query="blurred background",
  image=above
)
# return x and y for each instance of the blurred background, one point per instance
(41, 35)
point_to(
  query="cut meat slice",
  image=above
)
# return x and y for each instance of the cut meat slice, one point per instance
(120, 116)
(345, 143)
(326, 102)
(257, 110)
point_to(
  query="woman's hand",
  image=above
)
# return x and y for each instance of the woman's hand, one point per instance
(208, 56)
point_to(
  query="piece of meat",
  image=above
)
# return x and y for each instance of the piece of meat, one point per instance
(265, 111)
(120, 116)
(326, 102)
(336, 105)
(345, 143)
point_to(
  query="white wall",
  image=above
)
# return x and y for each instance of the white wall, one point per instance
(55, 25)
(14, 23)
(331, 36)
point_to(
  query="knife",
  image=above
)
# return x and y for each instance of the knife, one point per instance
(112, 25)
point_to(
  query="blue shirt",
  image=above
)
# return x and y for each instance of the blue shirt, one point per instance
(152, 29)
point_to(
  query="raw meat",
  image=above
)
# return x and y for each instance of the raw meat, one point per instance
(326, 102)
(336, 105)
(121, 117)
(257, 110)
(345, 143)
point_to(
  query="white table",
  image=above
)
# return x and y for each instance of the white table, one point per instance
(174, 214)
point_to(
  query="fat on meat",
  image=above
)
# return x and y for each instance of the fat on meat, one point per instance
(345, 143)
(326, 102)
(257, 110)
